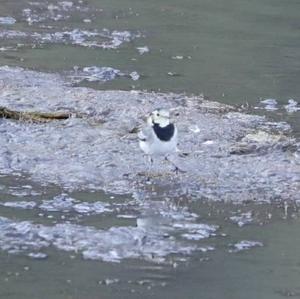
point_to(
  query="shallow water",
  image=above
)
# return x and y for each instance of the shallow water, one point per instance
(59, 243)
(251, 252)
(236, 52)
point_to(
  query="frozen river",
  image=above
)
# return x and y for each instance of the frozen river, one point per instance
(79, 217)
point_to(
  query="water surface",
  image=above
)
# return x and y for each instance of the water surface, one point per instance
(237, 51)
(268, 270)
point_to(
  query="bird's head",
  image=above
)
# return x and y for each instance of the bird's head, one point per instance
(160, 117)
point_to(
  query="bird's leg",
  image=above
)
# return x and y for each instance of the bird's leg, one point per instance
(150, 160)
(150, 165)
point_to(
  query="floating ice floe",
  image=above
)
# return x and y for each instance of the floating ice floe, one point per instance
(64, 203)
(173, 74)
(93, 39)
(177, 57)
(104, 39)
(99, 74)
(94, 73)
(56, 11)
(4, 49)
(22, 191)
(162, 228)
(7, 20)
(143, 50)
(37, 255)
(245, 245)
(242, 219)
(12, 34)
(99, 148)
(65, 5)
(134, 76)
(32, 17)
(19, 204)
(292, 106)
(143, 241)
(197, 231)
(109, 281)
(270, 104)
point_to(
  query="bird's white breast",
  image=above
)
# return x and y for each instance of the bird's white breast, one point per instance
(154, 146)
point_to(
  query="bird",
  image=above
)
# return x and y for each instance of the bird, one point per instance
(159, 136)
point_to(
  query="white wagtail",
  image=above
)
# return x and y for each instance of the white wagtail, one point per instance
(159, 136)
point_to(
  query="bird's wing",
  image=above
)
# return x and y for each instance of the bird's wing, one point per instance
(145, 134)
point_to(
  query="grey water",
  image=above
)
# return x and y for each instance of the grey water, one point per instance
(236, 52)
(268, 269)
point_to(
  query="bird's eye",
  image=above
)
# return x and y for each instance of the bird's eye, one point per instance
(157, 114)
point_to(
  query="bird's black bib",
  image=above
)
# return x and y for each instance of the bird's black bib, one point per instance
(164, 133)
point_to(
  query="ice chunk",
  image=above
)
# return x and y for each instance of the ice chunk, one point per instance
(7, 20)
(37, 255)
(98, 147)
(60, 203)
(19, 204)
(245, 245)
(242, 219)
(134, 76)
(143, 50)
(64, 203)
(270, 104)
(101, 74)
(94, 73)
(111, 245)
(292, 106)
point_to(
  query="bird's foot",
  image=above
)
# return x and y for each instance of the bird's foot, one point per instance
(178, 170)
